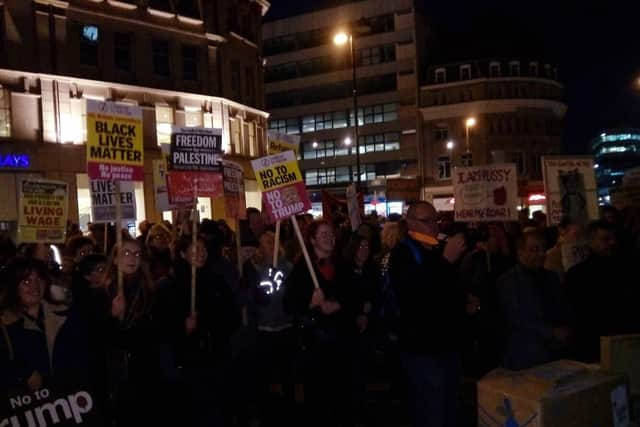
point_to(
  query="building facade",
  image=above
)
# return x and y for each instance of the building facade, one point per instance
(615, 151)
(186, 63)
(516, 109)
(308, 85)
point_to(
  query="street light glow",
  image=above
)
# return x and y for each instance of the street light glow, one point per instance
(450, 145)
(347, 141)
(315, 144)
(471, 122)
(340, 38)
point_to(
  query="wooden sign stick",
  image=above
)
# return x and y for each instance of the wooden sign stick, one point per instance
(276, 245)
(119, 237)
(312, 271)
(194, 248)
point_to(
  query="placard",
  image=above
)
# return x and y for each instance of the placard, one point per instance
(195, 149)
(103, 200)
(281, 142)
(43, 210)
(486, 193)
(114, 141)
(283, 191)
(184, 187)
(233, 184)
(571, 189)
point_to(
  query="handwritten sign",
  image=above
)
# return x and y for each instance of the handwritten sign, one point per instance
(43, 211)
(184, 187)
(486, 193)
(103, 201)
(114, 141)
(283, 191)
(195, 149)
(281, 142)
(233, 184)
(571, 189)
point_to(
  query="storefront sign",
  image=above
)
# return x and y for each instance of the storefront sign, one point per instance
(114, 141)
(103, 201)
(486, 193)
(233, 183)
(43, 211)
(15, 161)
(571, 189)
(281, 142)
(283, 190)
(184, 187)
(195, 149)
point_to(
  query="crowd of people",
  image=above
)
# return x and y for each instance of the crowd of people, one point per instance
(416, 301)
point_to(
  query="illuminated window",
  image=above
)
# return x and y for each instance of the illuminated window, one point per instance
(164, 122)
(381, 142)
(193, 117)
(89, 38)
(444, 167)
(5, 112)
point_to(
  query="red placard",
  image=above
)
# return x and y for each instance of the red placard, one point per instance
(184, 187)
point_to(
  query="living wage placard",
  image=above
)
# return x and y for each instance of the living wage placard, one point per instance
(43, 211)
(103, 201)
(114, 141)
(283, 191)
(195, 149)
(486, 193)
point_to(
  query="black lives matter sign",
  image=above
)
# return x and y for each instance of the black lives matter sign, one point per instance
(195, 149)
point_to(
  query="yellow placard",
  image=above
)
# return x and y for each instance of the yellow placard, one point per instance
(279, 146)
(43, 211)
(278, 176)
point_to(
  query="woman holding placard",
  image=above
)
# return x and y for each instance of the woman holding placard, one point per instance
(323, 326)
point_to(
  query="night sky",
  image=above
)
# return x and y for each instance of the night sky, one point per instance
(595, 44)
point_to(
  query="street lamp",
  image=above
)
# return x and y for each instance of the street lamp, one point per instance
(340, 39)
(450, 145)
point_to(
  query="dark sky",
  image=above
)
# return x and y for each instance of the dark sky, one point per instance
(595, 44)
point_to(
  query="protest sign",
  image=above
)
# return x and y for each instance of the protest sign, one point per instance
(233, 184)
(571, 189)
(43, 210)
(103, 201)
(51, 405)
(160, 186)
(114, 141)
(283, 191)
(486, 193)
(281, 142)
(185, 187)
(195, 149)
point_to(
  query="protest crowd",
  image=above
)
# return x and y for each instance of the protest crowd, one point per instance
(416, 303)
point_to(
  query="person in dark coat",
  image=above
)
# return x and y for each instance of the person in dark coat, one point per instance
(602, 297)
(48, 345)
(530, 298)
(323, 324)
(201, 339)
(432, 307)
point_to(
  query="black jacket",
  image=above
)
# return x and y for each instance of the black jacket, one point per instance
(432, 305)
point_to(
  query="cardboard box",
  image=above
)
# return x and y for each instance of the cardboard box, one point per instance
(558, 394)
(620, 355)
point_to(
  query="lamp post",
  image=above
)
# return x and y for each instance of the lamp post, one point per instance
(469, 123)
(340, 39)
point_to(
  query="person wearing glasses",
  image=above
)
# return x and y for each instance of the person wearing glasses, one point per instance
(159, 254)
(432, 307)
(133, 337)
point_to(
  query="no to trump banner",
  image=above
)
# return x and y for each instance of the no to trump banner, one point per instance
(43, 210)
(281, 142)
(114, 141)
(233, 185)
(486, 193)
(103, 201)
(195, 149)
(283, 191)
(571, 188)
(184, 187)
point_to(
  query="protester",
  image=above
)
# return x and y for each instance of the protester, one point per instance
(47, 345)
(568, 251)
(159, 254)
(531, 300)
(275, 340)
(603, 301)
(431, 311)
(322, 324)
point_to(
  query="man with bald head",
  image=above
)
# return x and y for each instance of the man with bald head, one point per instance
(432, 307)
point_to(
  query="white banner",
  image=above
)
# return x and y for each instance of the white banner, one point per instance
(103, 200)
